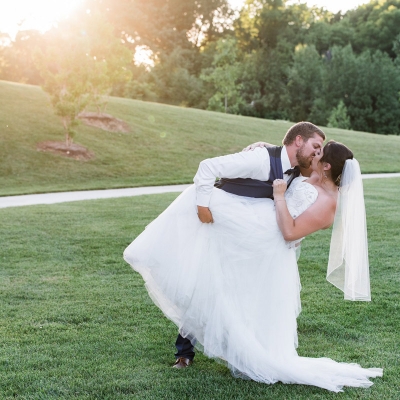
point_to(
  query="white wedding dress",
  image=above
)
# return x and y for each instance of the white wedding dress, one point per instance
(234, 286)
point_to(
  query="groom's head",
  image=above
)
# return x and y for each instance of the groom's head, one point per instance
(302, 141)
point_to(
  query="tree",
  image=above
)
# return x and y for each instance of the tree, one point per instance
(81, 63)
(375, 25)
(17, 57)
(331, 30)
(264, 82)
(163, 25)
(268, 33)
(396, 49)
(305, 82)
(223, 75)
(339, 117)
(175, 79)
(369, 86)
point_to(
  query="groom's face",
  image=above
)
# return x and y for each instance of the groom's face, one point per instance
(306, 152)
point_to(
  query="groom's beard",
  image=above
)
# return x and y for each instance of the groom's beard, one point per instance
(302, 160)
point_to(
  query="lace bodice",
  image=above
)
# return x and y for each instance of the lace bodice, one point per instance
(299, 197)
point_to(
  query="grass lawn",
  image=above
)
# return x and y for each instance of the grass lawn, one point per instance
(164, 146)
(77, 323)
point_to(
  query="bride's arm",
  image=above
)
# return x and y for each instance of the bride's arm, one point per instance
(318, 216)
(253, 146)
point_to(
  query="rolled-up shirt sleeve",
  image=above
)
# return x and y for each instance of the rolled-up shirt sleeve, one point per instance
(249, 164)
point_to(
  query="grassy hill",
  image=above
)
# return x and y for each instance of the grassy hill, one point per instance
(164, 146)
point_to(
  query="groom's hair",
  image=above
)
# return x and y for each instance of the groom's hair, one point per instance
(305, 129)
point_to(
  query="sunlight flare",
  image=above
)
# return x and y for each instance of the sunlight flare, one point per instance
(34, 14)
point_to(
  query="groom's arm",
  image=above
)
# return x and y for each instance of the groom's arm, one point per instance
(239, 165)
(252, 164)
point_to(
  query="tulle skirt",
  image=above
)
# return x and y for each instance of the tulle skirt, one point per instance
(234, 286)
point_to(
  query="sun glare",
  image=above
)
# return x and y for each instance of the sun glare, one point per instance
(42, 14)
(143, 56)
(33, 14)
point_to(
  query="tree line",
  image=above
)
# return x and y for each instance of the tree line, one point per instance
(270, 60)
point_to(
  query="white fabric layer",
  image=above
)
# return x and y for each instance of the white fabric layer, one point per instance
(348, 266)
(251, 164)
(234, 286)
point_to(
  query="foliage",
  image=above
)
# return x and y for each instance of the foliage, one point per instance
(223, 75)
(331, 30)
(396, 49)
(287, 60)
(368, 84)
(82, 61)
(175, 78)
(264, 82)
(164, 25)
(305, 82)
(339, 117)
(140, 90)
(67, 82)
(17, 57)
(375, 25)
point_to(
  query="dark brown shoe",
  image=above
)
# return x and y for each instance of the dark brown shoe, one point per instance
(182, 362)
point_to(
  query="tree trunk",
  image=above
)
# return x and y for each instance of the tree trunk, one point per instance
(226, 104)
(67, 137)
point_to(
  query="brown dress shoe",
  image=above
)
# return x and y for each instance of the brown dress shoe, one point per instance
(182, 362)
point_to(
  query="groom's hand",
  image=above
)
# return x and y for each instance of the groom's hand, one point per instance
(205, 215)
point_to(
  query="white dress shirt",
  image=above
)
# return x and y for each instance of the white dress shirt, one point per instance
(246, 164)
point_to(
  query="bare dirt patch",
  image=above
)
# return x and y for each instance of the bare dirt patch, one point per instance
(104, 121)
(75, 151)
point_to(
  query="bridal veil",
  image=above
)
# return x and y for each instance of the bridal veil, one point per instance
(348, 266)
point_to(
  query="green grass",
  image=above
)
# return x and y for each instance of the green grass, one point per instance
(77, 323)
(164, 146)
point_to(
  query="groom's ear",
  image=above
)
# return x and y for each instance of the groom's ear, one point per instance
(299, 140)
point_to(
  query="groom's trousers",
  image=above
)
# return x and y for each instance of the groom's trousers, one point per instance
(184, 348)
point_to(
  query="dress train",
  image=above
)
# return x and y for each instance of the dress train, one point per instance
(234, 286)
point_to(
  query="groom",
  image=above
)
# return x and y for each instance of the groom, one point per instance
(251, 174)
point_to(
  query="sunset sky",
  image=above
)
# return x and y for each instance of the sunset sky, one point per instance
(41, 14)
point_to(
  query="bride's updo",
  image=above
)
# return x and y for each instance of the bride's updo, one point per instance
(336, 154)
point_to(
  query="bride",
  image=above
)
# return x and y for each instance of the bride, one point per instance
(233, 284)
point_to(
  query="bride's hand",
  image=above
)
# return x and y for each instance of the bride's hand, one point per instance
(251, 147)
(280, 187)
(204, 215)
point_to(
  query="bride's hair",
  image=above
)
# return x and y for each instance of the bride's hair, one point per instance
(336, 154)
